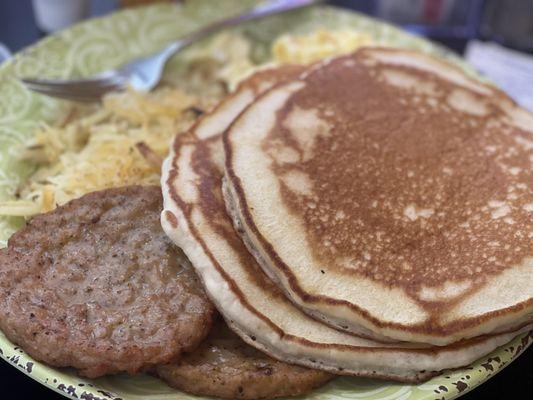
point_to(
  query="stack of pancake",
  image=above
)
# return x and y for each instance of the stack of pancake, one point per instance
(367, 215)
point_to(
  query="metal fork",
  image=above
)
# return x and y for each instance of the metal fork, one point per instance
(145, 73)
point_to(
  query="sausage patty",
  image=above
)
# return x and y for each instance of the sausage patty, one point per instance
(224, 366)
(96, 285)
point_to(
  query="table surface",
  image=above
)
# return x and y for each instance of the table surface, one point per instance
(15, 385)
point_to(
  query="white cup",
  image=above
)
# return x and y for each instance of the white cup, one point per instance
(53, 15)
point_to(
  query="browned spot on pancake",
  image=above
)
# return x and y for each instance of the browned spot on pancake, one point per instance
(404, 187)
(171, 218)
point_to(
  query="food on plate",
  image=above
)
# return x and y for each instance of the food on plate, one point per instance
(120, 142)
(96, 285)
(227, 58)
(123, 140)
(387, 191)
(195, 218)
(226, 367)
(364, 214)
(319, 44)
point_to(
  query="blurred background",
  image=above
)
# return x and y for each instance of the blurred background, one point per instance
(496, 36)
(453, 22)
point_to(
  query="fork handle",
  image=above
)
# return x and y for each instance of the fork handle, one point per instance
(260, 11)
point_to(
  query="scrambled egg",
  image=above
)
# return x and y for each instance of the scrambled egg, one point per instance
(305, 49)
(227, 58)
(231, 53)
(124, 140)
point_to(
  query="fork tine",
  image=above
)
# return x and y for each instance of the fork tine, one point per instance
(69, 95)
(85, 83)
(79, 90)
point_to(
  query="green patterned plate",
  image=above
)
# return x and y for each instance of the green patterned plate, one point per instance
(103, 43)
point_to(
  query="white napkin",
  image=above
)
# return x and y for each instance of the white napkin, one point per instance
(511, 70)
(4, 53)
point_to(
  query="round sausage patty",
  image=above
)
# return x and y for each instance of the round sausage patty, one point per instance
(96, 285)
(224, 366)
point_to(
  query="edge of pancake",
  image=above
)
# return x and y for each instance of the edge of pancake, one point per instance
(494, 322)
(237, 311)
(342, 325)
(268, 337)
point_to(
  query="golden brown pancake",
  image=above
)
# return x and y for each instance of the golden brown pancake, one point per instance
(388, 190)
(195, 218)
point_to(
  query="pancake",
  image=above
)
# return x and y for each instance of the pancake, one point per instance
(195, 219)
(226, 367)
(388, 190)
(97, 286)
